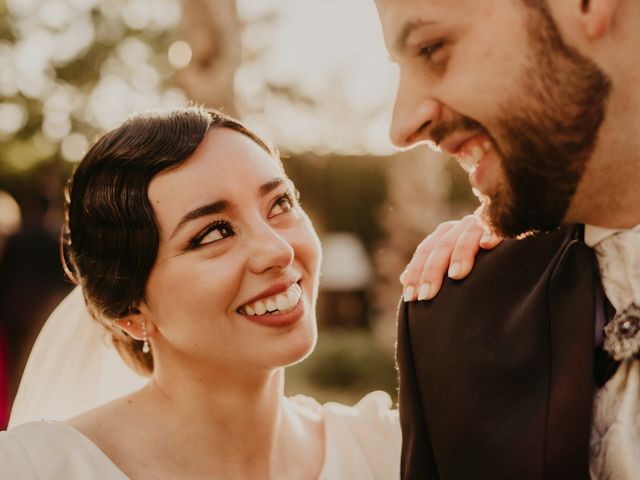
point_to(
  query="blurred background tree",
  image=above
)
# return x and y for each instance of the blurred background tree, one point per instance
(311, 76)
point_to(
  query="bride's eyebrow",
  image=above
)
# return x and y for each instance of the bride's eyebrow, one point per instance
(270, 186)
(209, 209)
(221, 206)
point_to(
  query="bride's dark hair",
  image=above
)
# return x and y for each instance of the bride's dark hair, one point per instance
(110, 238)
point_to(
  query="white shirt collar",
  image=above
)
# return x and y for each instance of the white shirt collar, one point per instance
(594, 234)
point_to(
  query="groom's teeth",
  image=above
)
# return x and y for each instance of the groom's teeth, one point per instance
(467, 162)
(477, 153)
(249, 310)
(470, 159)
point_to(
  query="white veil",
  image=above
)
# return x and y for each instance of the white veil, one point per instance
(72, 367)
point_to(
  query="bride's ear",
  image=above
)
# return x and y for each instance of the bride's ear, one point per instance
(135, 324)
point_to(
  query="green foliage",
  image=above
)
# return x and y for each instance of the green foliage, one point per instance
(342, 194)
(70, 72)
(346, 364)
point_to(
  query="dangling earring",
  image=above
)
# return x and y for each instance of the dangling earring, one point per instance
(145, 338)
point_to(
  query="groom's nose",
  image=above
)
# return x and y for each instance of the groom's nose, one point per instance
(414, 114)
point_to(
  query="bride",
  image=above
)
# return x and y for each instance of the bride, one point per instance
(193, 255)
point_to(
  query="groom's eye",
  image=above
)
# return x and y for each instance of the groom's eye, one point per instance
(434, 53)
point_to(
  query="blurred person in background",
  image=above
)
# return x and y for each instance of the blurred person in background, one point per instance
(31, 284)
(529, 368)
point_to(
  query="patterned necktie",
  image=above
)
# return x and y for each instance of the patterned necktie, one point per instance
(619, 261)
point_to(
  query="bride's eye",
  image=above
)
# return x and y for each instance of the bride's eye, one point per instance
(212, 233)
(283, 204)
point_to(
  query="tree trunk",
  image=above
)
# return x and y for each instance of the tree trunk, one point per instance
(212, 30)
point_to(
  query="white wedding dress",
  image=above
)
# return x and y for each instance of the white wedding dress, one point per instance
(72, 369)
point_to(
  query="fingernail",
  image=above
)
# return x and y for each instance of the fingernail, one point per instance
(424, 291)
(403, 276)
(454, 270)
(486, 238)
(408, 293)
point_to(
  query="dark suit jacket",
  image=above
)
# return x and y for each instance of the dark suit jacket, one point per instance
(496, 373)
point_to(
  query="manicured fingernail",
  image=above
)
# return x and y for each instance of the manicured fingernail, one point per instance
(454, 270)
(403, 276)
(408, 293)
(425, 289)
(486, 238)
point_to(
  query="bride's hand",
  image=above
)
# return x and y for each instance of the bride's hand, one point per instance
(451, 249)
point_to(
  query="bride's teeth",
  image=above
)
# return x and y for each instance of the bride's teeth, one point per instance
(260, 308)
(270, 304)
(292, 297)
(281, 302)
(486, 145)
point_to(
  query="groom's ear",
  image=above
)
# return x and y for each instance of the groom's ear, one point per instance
(597, 17)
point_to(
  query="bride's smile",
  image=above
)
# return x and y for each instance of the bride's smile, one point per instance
(192, 250)
(237, 267)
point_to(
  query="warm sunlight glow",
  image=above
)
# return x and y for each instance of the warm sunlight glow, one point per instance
(10, 217)
(179, 54)
(74, 146)
(322, 80)
(13, 116)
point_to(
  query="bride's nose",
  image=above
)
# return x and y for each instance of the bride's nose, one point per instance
(269, 249)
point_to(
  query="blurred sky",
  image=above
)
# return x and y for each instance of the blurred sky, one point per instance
(332, 52)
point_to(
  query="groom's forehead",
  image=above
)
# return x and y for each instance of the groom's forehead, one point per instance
(459, 6)
(434, 10)
(400, 18)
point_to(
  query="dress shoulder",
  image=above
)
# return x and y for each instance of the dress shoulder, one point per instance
(51, 451)
(361, 441)
(14, 460)
(373, 411)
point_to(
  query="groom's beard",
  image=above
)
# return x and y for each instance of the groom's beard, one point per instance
(544, 136)
(548, 135)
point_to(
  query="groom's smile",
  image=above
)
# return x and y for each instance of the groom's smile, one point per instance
(506, 96)
(476, 156)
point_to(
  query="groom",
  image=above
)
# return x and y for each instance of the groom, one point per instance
(512, 372)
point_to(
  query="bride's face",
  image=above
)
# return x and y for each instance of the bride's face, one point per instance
(233, 243)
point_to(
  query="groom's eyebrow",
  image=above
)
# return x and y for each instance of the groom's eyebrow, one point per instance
(221, 206)
(411, 26)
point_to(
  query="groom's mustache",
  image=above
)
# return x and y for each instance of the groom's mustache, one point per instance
(448, 127)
